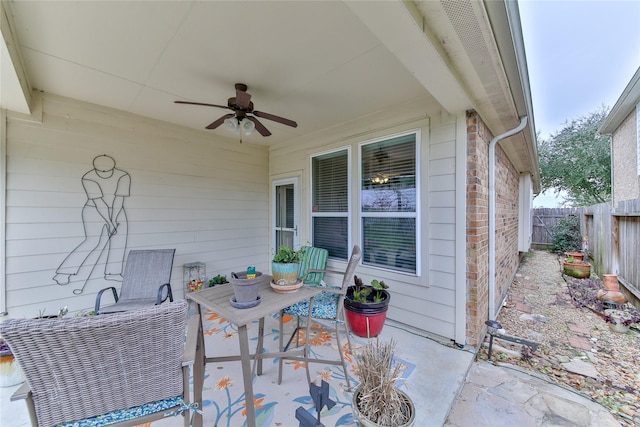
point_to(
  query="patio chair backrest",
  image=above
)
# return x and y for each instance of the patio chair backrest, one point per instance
(85, 366)
(354, 260)
(313, 259)
(146, 270)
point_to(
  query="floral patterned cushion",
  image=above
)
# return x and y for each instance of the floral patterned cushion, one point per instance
(128, 414)
(325, 306)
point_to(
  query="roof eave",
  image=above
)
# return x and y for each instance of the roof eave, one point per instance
(628, 100)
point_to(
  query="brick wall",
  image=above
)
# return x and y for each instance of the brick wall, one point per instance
(507, 187)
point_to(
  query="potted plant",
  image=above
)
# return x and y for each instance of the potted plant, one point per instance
(377, 402)
(218, 280)
(285, 265)
(576, 255)
(245, 288)
(10, 372)
(366, 307)
(619, 319)
(579, 269)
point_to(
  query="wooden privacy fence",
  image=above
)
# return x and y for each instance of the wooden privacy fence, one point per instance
(614, 241)
(613, 237)
(544, 220)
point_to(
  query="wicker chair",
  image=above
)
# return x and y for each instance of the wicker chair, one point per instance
(119, 369)
(145, 281)
(327, 306)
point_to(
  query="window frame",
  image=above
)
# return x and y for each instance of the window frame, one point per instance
(380, 214)
(347, 214)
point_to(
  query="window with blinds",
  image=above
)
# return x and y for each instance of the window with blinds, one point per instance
(388, 203)
(330, 203)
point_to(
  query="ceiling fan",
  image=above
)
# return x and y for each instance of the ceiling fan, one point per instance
(242, 108)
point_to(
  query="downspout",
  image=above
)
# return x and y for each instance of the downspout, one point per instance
(492, 213)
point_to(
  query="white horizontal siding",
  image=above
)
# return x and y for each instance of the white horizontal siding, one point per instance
(205, 196)
(441, 220)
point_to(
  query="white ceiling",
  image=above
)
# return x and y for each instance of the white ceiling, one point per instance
(314, 62)
(320, 63)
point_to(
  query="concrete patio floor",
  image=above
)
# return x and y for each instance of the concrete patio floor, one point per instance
(434, 383)
(446, 385)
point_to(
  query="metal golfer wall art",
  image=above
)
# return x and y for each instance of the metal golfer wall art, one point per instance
(104, 220)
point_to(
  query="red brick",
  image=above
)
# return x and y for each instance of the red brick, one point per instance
(524, 307)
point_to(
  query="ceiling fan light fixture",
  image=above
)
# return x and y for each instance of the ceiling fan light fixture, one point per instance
(380, 178)
(247, 126)
(232, 124)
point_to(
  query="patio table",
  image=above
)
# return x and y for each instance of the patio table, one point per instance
(218, 300)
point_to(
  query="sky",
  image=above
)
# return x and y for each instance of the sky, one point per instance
(581, 54)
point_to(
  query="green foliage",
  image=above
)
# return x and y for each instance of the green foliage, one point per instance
(361, 292)
(217, 280)
(566, 235)
(286, 255)
(578, 161)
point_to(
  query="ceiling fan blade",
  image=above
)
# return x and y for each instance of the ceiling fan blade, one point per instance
(242, 99)
(259, 126)
(276, 119)
(201, 103)
(220, 121)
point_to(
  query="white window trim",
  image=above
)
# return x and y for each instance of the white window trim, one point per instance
(417, 215)
(347, 214)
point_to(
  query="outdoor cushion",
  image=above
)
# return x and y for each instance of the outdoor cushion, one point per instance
(325, 306)
(127, 414)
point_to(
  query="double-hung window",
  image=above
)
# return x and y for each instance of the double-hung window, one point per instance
(388, 202)
(330, 203)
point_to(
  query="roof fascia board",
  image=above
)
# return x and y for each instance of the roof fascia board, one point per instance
(400, 27)
(624, 105)
(505, 22)
(15, 88)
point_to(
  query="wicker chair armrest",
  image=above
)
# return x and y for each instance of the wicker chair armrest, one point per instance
(160, 300)
(23, 392)
(193, 330)
(99, 296)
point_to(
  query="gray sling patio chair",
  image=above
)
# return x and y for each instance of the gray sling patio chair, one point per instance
(327, 306)
(145, 281)
(131, 367)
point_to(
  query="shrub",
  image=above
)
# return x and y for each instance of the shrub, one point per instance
(566, 235)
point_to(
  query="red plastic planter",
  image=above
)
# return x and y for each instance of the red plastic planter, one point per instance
(366, 319)
(366, 325)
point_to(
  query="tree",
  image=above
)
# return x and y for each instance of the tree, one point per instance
(578, 161)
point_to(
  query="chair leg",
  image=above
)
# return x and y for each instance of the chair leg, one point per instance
(344, 365)
(281, 347)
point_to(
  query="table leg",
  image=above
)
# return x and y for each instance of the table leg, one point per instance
(260, 347)
(198, 374)
(307, 339)
(281, 347)
(247, 375)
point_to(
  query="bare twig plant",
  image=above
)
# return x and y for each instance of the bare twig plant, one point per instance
(379, 400)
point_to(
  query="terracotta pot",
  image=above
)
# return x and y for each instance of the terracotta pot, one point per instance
(579, 270)
(610, 282)
(611, 296)
(577, 256)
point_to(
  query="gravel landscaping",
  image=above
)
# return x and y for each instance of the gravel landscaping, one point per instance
(578, 349)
